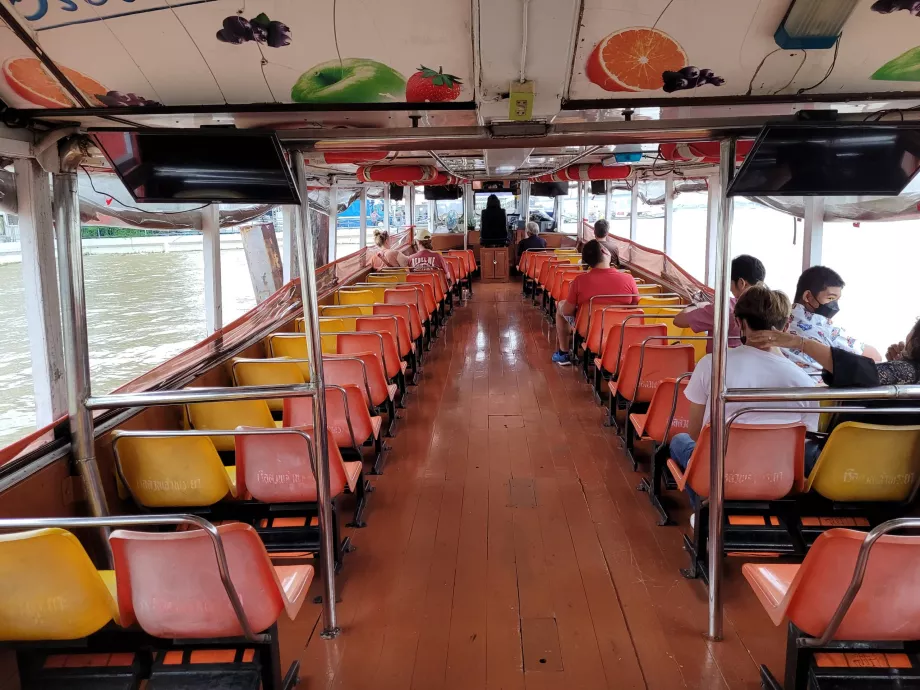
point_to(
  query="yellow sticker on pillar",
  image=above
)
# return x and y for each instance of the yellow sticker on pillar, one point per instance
(521, 97)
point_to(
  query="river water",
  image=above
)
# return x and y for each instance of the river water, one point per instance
(142, 309)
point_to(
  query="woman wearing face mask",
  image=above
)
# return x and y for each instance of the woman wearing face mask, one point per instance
(816, 303)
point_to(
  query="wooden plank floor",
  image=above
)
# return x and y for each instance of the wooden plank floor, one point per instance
(508, 548)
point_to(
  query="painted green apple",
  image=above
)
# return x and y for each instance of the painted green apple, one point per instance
(353, 80)
(905, 67)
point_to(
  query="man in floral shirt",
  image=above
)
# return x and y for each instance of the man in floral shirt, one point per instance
(816, 295)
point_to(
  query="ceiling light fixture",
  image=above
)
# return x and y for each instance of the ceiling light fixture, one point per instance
(813, 24)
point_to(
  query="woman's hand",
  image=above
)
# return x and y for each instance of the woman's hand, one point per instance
(763, 339)
(895, 352)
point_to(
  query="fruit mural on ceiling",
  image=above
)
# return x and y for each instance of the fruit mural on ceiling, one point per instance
(215, 52)
(708, 48)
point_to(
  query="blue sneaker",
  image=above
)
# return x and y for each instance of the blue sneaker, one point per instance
(562, 359)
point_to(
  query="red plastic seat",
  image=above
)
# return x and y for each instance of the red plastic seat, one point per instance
(606, 318)
(347, 416)
(640, 375)
(170, 584)
(380, 390)
(409, 298)
(653, 425)
(620, 337)
(374, 339)
(428, 282)
(763, 462)
(403, 315)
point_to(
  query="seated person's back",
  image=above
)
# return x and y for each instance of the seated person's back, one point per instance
(425, 258)
(532, 241)
(493, 223)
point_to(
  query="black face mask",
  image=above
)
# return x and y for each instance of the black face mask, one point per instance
(743, 339)
(828, 310)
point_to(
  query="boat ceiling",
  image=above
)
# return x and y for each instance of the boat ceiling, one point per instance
(352, 74)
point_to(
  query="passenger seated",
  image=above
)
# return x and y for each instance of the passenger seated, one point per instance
(845, 369)
(425, 257)
(763, 366)
(816, 303)
(746, 271)
(382, 256)
(600, 280)
(532, 241)
(602, 235)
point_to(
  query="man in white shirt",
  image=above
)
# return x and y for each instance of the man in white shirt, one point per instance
(816, 303)
(758, 309)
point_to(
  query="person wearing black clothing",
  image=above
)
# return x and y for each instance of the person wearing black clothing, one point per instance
(494, 223)
(532, 241)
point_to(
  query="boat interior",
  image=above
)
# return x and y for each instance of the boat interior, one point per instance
(378, 477)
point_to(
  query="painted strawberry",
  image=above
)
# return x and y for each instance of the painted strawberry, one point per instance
(428, 86)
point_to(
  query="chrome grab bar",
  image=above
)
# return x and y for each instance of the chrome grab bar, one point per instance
(899, 392)
(149, 520)
(185, 396)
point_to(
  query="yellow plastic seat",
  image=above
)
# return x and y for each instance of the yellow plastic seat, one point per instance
(699, 346)
(51, 590)
(346, 310)
(868, 462)
(649, 288)
(268, 372)
(228, 415)
(394, 277)
(172, 471)
(651, 301)
(348, 296)
(294, 346)
(377, 290)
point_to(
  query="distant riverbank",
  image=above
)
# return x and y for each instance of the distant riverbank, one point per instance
(11, 252)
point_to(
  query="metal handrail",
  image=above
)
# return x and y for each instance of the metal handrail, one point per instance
(898, 392)
(150, 520)
(185, 396)
(119, 435)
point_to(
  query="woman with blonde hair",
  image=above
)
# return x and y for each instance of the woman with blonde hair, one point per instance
(382, 256)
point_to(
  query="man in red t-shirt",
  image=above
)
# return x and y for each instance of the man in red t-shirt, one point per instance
(600, 280)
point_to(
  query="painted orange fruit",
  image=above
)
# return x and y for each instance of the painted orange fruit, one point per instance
(29, 78)
(633, 60)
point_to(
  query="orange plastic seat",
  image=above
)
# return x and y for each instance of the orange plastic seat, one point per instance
(431, 286)
(277, 468)
(169, 583)
(562, 273)
(468, 257)
(620, 337)
(387, 327)
(347, 416)
(886, 608)
(409, 298)
(653, 424)
(380, 390)
(536, 264)
(640, 375)
(763, 462)
(604, 319)
(403, 315)
(588, 312)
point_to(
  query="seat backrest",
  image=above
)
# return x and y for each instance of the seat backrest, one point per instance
(340, 370)
(387, 327)
(347, 296)
(51, 590)
(469, 259)
(659, 411)
(458, 264)
(170, 584)
(273, 372)
(332, 324)
(344, 309)
(566, 284)
(603, 319)
(868, 462)
(228, 415)
(385, 278)
(376, 289)
(886, 608)
(430, 284)
(170, 471)
(649, 288)
(591, 309)
(373, 367)
(291, 346)
(561, 274)
(367, 341)
(640, 374)
(403, 315)
(412, 298)
(276, 468)
(347, 416)
(548, 270)
(763, 462)
(652, 301)
(623, 335)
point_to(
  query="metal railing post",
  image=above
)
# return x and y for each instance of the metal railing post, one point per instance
(717, 393)
(307, 263)
(73, 321)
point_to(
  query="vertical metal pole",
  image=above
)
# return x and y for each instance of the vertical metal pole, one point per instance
(634, 211)
(320, 439)
(717, 392)
(608, 199)
(557, 212)
(525, 201)
(410, 204)
(467, 213)
(333, 222)
(288, 253)
(76, 341)
(814, 231)
(210, 242)
(386, 208)
(669, 215)
(580, 212)
(712, 227)
(362, 218)
(432, 216)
